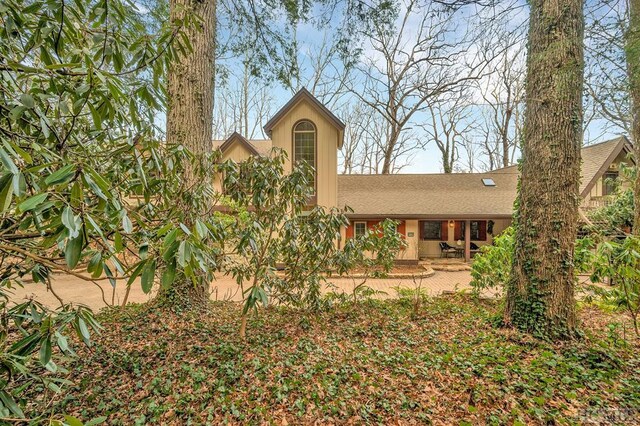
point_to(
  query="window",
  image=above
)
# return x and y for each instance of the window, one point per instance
(609, 183)
(488, 182)
(360, 228)
(478, 230)
(304, 146)
(430, 230)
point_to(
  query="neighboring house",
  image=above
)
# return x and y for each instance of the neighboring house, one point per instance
(457, 209)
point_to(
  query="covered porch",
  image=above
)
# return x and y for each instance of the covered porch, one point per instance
(450, 239)
(457, 238)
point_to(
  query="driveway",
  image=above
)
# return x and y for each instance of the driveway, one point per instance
(101, 294)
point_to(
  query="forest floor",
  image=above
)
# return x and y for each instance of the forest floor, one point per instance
(441, 360)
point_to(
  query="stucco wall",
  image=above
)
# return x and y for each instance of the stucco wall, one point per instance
(326, 153)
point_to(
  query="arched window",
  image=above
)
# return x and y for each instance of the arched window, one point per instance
(304, 145)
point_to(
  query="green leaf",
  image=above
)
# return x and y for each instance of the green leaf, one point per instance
(143, 252)
(62, 343)
(69, 221)
(27, 100)
(95, 116)
(32, 202)
(45, 351)
(95, 265)
(170, 238)
(26, 157)
(61, 175)
(117, 242)
(96, 421)
(72, 421)
(8, 402)
(76, 193)
(184, 253)
(73, 250)
(148, 275)
(94, 187)
(169, 275)
(19, 184)
(126, 224)
(6, 192)
(83, 331)
(7, 162)
(136, 272)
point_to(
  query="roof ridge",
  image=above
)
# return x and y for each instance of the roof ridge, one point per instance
(423, 174)
(617, 139)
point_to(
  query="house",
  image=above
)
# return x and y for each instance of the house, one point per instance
(458, 209)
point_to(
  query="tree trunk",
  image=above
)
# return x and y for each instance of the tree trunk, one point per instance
(505, 134)
(540, 296)
(389, 151)
(632, 52)
(190, 118)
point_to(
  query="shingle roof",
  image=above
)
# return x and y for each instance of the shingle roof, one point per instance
(256, 146)
(596, 159)
(303, 94)
(441, 196)
(456, 195)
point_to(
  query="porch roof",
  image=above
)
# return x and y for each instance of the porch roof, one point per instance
(441, 196)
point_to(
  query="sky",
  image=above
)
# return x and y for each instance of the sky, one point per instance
(310, 40)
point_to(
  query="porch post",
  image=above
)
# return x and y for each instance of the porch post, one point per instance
(467, 240)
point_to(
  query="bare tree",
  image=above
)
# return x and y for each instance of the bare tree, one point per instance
(357, 141)
(244, 103)
(607, 102)
(450, 126)
(420, 59)
(324, 72)
(503, 95)
(471, 153)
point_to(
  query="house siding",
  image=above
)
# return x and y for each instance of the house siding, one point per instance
(326, 149)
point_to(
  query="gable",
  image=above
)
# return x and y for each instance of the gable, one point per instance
(236, 148)
(598, 158)
(312, 109)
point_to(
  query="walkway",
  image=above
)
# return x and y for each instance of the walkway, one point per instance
(72, 289)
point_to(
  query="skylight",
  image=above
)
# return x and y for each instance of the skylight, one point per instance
(488, 182)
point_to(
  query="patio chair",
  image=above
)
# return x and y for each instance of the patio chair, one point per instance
(474, 248)
(446, 250)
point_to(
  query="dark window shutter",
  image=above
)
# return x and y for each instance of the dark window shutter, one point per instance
(349, 231)
(402, 228)
(444, 230)
(482, 230)
(457, 234)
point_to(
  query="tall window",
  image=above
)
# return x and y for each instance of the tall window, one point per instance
(304, 146)
(609, 183)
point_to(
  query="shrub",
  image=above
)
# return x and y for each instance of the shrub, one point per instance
(620, 262)
(491, 268)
